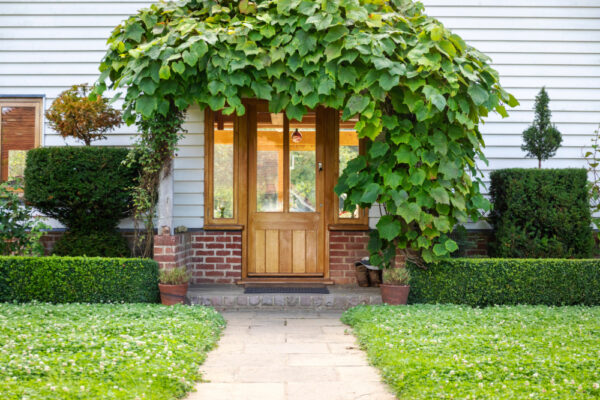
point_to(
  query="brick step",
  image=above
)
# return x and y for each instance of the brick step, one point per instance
(232, 297)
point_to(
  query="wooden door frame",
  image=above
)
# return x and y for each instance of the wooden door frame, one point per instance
(328, 128)
(248, 129)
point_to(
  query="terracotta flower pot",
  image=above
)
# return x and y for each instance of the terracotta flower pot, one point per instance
(394, 294)
(172, 294)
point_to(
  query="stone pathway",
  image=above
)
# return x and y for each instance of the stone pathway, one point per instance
(288, 355)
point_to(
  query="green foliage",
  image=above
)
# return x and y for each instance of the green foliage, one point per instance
(396, 276)
(593, 159)
(92, 244)
(20, 231)
(78, 279)
(446, 352)
(540, 213)
(542, 139)
(84, 188)
(173, 276)
(87, 190)
(73, 114)
(152, 155)
(490, 281)
(103, 351)
(410, 80)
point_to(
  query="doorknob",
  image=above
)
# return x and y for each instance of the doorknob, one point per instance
(320, 166)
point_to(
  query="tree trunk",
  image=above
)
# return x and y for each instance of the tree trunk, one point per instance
(540, 164)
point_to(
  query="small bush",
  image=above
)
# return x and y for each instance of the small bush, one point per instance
(396, 276)
(489, 281)
(96, 244)
(540, 213)
(20, 230)
(85, 188)
(78, 279)
(173, 276)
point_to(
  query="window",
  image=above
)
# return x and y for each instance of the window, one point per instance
(20, 130)
(220, 165)
(348, 146)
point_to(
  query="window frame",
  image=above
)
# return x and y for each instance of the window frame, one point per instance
(38, 104)
(337, 223)
(210, 222)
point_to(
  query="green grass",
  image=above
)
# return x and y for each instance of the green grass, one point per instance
(103, 351)
(458, 352)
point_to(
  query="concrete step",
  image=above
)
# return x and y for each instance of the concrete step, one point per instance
(232, 297)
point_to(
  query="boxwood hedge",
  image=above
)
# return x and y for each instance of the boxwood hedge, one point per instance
(541, 213)
(489, 281)
(78, 279)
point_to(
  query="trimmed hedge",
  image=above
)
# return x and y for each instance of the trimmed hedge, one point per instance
(85, 188)
(541, 213)
(490, 281)
(78, 279)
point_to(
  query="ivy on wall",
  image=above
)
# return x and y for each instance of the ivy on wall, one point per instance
(420, 91)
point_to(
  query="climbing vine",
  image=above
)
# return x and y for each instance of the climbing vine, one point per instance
(419, 89)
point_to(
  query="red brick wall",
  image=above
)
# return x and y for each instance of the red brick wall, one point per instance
(345, 248)
(216, 257)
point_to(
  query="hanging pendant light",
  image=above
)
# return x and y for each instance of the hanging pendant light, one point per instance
(296, 136)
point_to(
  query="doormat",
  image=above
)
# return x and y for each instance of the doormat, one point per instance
(295, 290)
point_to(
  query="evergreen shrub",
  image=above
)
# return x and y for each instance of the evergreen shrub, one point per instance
(540, 213)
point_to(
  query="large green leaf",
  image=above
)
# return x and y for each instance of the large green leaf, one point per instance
(409, 212)
(378, 149)
(440, 195)
(357, 104)
(389, 227)
(417, 177)
(347, 75)
(478, 94)
(146, 105)
(435, 97)
(335, 33)
(370, 194)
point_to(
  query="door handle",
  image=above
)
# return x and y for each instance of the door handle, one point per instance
(320, 165)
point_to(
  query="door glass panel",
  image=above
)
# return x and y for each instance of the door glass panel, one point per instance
(302, 185)
(348, 150)
(269, 162)
(223, 166)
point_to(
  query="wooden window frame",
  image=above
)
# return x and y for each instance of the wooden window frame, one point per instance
(336, 223)
(38, 104)
(210, 222)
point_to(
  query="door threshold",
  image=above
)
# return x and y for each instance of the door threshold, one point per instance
(284, 281)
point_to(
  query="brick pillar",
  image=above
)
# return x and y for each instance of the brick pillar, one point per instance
(172, 251)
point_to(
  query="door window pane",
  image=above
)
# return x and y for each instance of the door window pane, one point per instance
(302, 139)
(223, 166)
(348, 150)
(269, 162)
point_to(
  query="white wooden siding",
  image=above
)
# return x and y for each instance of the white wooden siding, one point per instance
(47, 46)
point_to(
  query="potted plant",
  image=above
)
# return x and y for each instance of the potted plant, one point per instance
(395, 288)
(173, 285)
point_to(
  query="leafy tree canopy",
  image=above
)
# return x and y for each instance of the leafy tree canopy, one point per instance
(73, 114)
(417, 87)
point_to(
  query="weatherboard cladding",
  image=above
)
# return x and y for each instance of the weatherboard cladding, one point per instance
(47, 46)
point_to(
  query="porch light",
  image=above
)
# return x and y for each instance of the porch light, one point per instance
(296, 136)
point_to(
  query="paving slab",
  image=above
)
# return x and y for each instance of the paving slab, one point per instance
(288, 355)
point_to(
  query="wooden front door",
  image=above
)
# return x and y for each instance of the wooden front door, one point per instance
(286, 234)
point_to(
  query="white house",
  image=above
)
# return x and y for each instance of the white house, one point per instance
(45, 47)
